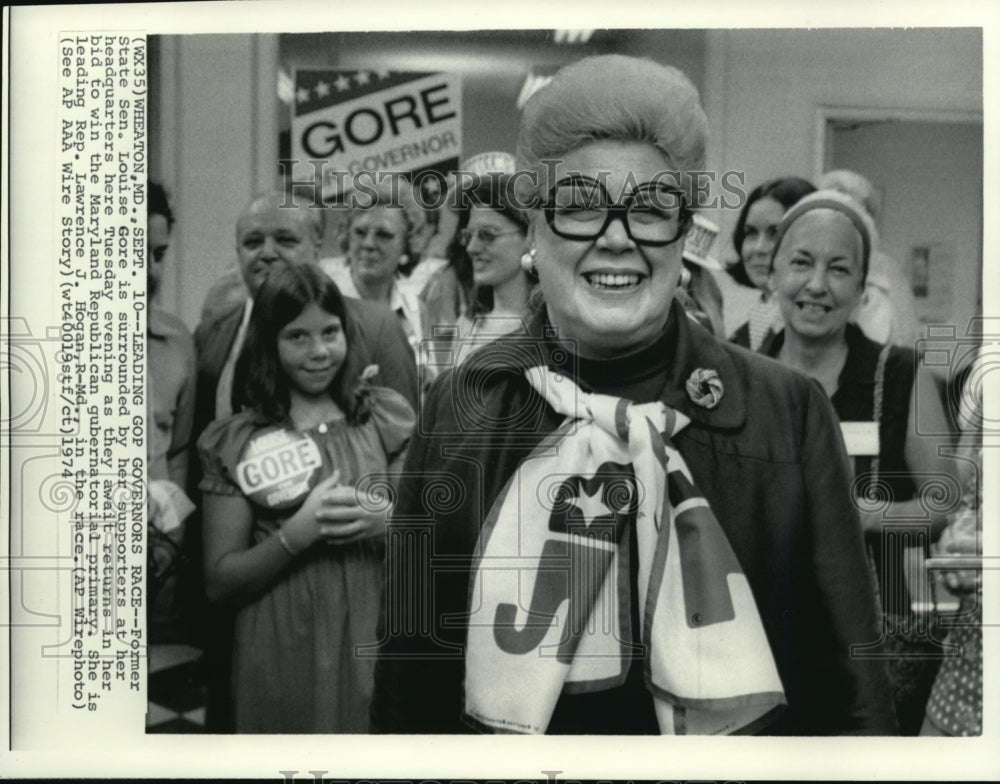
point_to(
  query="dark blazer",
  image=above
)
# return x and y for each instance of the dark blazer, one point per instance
(769, 459)
(854, 401)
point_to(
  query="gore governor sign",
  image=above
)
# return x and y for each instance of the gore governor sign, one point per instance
(378, 121)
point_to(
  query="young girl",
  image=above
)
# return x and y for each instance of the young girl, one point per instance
(287, 542)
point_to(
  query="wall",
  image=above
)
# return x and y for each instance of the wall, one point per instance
(219, 117)
(931, 179)
(216, 117)
(215, 124)
(763, 89)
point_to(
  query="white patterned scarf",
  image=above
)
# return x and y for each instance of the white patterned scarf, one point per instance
(550, 602)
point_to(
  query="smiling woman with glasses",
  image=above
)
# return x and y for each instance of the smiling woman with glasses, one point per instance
(485, 237)
(492, 242)
(654, 215)
(382, 243)
(615, 523)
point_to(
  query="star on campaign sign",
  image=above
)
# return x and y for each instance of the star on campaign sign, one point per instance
(373, 120)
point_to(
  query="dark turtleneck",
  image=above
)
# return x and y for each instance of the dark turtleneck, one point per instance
(638, 376)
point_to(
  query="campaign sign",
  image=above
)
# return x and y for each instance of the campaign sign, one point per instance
(278, 468)
(374, 121)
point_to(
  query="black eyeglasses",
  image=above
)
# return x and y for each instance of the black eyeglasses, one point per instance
(486, 237)
(381, 235)
(579, 208)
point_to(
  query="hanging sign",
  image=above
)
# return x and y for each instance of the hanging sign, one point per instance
(375, 121)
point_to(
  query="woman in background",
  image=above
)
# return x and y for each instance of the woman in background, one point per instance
(955, 707)
(382, 242)
(822, 249)
(448, 291)
(888, 312)
(749, 311)
(494, 238)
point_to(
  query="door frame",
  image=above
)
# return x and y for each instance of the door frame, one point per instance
(824, 114)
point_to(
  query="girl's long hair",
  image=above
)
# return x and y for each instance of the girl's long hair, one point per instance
(259, 379)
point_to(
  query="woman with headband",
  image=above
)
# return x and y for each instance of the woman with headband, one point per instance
(888, 405)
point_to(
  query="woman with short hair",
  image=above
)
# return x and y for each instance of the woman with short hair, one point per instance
(382, 242)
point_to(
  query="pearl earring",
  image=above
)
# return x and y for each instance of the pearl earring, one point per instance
(528, 261)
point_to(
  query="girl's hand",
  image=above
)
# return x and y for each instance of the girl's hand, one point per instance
(343, 520)
(302, 529)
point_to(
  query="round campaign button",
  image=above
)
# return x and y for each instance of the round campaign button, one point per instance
(278, 468)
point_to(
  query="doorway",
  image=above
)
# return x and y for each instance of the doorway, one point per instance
(927, 172)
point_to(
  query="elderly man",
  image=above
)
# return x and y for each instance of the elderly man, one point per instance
(270, 235)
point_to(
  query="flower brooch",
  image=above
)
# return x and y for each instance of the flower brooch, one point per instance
(704, 387)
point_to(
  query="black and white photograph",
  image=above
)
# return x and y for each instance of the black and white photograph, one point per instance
(385, 386)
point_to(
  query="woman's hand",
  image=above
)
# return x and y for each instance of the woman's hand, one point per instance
(960, 538)
(343, 520)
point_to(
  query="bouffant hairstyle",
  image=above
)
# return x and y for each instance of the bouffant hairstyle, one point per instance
(396, 193)
(612, 98)
(259, 381)
(784, 190)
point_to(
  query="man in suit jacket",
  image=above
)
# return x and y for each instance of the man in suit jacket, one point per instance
(273, 232)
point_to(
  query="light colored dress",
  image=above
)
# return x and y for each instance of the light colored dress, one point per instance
(300, 661)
